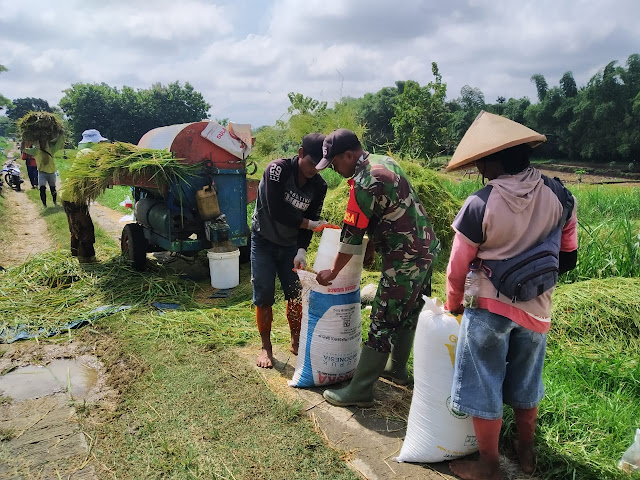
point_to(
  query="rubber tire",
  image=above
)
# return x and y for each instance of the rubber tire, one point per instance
(133, 245)
(18, 185)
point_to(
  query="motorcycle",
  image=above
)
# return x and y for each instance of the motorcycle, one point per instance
(11, 172)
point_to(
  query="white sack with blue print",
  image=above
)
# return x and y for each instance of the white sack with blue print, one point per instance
(331, 330)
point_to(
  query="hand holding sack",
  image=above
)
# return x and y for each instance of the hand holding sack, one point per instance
(300, 260)
(314, 224)
(331, 329)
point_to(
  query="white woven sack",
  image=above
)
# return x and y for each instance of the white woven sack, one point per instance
(434, 431)
(330, 333)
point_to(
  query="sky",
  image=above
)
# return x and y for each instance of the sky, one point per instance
(245, 56)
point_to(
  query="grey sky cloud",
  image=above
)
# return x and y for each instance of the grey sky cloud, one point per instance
(244, 56)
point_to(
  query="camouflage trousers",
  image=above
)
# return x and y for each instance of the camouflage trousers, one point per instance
(397, 304)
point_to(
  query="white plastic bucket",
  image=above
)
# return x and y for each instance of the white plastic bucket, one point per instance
(224, 268)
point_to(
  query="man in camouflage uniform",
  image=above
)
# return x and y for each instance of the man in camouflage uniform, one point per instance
(383, 204)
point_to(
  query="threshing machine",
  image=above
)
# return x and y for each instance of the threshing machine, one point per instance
(167, 217)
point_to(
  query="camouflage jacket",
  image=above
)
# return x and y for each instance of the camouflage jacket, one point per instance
(383, 204)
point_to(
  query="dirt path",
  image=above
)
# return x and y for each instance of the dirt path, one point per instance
(25, 231)
(39, 433)
(370, 438)
(108, 219)
(588, 179)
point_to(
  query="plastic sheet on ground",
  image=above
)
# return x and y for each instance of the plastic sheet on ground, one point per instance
(22, 332)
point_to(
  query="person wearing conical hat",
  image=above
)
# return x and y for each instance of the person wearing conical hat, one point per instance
(502, 341)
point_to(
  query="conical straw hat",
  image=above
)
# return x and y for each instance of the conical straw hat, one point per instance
(489, 134)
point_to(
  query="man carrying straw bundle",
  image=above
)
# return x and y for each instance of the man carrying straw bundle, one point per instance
(44, 134)
(502, 341)
(77, 209)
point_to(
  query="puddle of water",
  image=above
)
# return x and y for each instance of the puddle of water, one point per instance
(35, 381)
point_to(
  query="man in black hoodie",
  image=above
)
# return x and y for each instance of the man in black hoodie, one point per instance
(290, 198)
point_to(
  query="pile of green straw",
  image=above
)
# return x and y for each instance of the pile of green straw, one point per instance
(108, 163)
(53, 289)
(441, 206)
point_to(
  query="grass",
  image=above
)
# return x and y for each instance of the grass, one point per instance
(200, 412)
(112, 197)
(608, 229)
(197, 408)
(3, 209)
(7, 434)
(592, 377)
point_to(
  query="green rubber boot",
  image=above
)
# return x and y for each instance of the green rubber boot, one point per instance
(360, 391)
(396, 369)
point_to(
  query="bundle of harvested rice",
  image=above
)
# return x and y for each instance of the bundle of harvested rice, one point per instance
(40, 128)
(597, 310)
(52, 289)
(92, 173)
(441, 206)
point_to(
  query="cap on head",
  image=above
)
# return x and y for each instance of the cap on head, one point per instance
(337, 142)
(489, 134)
(312, 146)
(92, 136)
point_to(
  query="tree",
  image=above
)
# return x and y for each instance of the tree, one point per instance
(376, 111)
(4, 101)
(128, 114)
(600, 112)
(514, 109)
(568, 85)
(421, 118)
(304, 105)
(7, 126)
(541, 85)
(310, 115)
(471, 102)
(498, 107)
(21, 106)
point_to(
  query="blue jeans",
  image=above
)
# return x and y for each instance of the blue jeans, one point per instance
(33, 175)
(268, 260)
(497, 361)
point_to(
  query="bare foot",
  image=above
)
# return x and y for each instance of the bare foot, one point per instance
(526, 457)
(294, 346)
(476, 470)
(265, 359)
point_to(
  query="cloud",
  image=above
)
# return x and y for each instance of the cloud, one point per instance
(244, 56)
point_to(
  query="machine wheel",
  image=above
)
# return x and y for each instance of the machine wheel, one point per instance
(7, 179)
(134, 246)
(18, 184)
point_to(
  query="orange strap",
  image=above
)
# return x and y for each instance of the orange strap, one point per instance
(354, 216)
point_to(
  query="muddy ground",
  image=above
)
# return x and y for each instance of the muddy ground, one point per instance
(52, 392)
